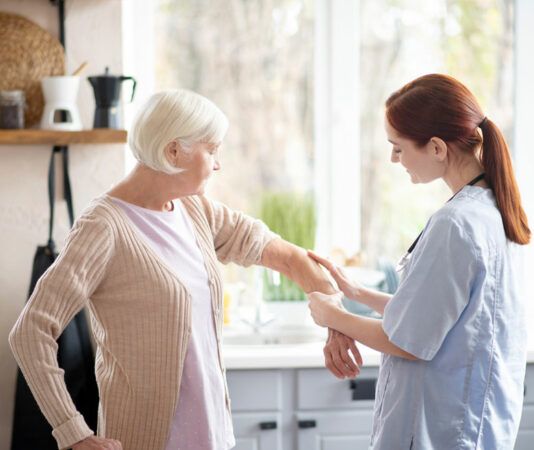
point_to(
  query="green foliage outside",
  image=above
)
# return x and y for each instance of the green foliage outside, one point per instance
(292, 216)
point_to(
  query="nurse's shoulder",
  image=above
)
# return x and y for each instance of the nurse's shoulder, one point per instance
(475, 211)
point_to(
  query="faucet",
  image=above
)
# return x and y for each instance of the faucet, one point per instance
(258, 323)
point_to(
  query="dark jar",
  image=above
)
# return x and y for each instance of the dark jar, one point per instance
(12, 109)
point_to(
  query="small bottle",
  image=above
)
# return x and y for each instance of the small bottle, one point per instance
(12, 109)
(227, 301)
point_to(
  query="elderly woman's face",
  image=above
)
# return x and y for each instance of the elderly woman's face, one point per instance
(200, 163)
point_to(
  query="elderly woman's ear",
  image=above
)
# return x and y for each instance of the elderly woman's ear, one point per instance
(174, 152)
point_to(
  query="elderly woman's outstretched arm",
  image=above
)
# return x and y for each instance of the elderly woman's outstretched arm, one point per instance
(244, 240)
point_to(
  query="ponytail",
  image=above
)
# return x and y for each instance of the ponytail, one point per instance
(439, 105)
(497, 163)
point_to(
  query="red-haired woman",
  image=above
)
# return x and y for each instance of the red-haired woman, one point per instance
(453, 336)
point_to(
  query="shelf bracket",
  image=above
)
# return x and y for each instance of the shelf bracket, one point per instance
(61, 16)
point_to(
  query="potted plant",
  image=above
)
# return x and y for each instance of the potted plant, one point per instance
(292, 216)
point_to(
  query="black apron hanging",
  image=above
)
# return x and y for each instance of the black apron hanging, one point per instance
(31, 431)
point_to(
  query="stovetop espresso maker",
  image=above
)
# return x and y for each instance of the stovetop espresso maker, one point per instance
(107, 89)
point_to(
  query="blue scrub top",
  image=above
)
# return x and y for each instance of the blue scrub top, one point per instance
(457, 309)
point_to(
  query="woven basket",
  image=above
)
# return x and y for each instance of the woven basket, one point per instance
(27, 54)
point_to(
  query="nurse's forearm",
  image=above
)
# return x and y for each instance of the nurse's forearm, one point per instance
(373, 299)
(367, 331)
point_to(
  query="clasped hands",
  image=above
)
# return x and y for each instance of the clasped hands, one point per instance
(342, 357)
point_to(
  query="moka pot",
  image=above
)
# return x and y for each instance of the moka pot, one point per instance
(107, 90)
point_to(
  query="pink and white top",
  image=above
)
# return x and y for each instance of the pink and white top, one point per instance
(201, 420)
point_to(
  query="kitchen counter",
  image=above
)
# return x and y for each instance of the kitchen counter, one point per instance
(285, 356)
(293, 356)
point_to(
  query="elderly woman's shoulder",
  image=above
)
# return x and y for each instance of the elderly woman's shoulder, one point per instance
(100, 214)
(199, 203)
(199, 207)
(204, 210)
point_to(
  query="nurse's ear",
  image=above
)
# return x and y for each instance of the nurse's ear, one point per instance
(438, 148)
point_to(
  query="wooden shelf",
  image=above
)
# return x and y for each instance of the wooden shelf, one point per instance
(52, 137)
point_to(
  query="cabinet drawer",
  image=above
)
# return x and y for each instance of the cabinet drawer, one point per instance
(319, 389)
(258, 431)
(335, 429)
(255, 390)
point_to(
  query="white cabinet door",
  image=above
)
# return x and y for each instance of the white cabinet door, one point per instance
(257, 431)
(255, 390)
(334, 430)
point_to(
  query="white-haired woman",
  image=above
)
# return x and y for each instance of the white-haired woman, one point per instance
(143, 258)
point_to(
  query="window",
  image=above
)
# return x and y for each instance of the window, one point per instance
(399, 41)
(304, 82)
(257, 66)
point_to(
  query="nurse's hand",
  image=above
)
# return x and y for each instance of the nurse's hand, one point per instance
(324, 308)
(337, 355)
(350, 288)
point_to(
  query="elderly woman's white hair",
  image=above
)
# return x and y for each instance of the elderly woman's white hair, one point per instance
(174, 115)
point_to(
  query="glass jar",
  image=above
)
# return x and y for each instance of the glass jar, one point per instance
(12, 109)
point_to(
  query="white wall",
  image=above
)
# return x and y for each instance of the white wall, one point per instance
(93, 34)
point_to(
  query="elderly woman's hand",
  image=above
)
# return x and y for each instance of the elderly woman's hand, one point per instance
(97, 443)
(325, 308)
(338, 358)
(337, 352)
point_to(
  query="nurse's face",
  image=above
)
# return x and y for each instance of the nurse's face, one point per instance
(423, 164)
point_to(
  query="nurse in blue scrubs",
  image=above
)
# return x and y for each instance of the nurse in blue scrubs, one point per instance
(453, 336)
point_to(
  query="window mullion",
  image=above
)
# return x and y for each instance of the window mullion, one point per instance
(337, 135)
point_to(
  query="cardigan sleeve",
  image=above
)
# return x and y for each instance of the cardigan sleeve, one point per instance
(62, 291)
(237, 237)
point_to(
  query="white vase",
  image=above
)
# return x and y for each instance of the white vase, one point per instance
(60, 95)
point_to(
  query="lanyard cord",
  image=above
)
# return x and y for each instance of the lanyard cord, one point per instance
(471, 183)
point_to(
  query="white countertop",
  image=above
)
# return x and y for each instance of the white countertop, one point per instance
(284, 356)
(292, 356)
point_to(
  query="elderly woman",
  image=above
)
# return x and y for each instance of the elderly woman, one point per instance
(143, 259)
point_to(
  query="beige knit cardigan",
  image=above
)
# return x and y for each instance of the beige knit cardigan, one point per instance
(140, 316)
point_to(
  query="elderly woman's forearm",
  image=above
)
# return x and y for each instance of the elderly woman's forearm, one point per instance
(294, 263)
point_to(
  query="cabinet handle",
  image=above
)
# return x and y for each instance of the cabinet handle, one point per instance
(363, 389)
(307, 424)
(268, 425)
